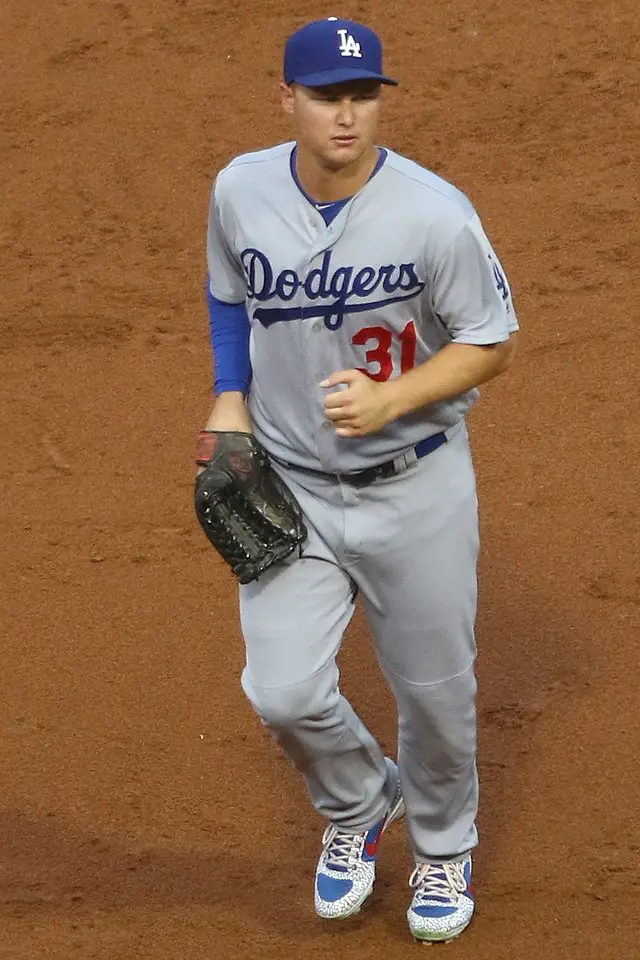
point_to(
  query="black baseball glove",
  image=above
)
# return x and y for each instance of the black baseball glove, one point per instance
(247, 512)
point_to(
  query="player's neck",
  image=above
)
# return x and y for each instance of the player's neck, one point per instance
(324, 185)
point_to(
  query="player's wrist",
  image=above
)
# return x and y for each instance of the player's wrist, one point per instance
(230, 413)
(396, 399)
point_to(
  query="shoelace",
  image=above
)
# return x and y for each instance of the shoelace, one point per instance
(341, 850)
(438, 881)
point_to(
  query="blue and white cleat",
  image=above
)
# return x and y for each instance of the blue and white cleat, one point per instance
(442, 904)
(347, 866)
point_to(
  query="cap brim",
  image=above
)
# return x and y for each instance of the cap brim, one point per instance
(328, 78)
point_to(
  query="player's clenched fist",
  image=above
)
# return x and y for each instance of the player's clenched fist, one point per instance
(359, 405)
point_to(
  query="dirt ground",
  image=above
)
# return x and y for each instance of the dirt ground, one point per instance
(143, 811)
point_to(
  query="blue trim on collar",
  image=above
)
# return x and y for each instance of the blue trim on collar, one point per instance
(330, 210)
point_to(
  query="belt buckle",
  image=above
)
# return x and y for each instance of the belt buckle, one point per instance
(380, 472)
(361, 478)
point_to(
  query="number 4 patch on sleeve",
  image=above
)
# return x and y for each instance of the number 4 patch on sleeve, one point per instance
(500, 279)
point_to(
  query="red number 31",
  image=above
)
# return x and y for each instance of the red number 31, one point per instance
(380, 353)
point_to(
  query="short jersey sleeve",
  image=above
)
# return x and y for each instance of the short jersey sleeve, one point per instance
(227, 281)
(470, 293)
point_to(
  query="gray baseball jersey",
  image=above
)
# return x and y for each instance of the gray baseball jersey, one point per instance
(404, 269)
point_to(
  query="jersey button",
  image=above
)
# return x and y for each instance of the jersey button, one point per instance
(317, 327)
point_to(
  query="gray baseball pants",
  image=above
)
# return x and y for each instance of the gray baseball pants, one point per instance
(408, 547)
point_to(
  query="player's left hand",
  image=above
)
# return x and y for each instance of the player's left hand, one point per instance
(360, 406)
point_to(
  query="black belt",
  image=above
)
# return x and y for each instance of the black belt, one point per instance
(362, 478)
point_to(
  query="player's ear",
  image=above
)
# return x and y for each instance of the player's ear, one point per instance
(286, 97)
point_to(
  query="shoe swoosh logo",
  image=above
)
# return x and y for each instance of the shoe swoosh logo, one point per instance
(371, 845)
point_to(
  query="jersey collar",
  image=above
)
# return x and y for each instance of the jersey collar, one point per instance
(336, 204)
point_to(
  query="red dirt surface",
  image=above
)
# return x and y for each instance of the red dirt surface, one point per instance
(143, 811)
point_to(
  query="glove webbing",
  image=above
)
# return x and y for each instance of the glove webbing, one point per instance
(248, 547)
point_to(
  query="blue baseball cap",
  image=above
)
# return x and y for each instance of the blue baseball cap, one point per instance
(330, 51)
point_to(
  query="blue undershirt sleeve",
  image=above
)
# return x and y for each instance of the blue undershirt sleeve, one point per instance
(229, 330)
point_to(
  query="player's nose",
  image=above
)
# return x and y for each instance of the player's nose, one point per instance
(346, 113)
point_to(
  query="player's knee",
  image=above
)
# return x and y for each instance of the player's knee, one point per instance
(290, 706)
(282, 708)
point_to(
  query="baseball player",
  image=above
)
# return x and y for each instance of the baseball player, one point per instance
(355, 306)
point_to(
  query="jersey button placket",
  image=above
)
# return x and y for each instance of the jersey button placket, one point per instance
(309, 330)
(307, 359)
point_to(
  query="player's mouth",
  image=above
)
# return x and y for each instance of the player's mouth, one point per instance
(345, 140)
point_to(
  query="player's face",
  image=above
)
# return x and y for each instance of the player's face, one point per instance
(338, 123)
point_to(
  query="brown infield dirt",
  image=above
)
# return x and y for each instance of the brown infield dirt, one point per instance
(144, 813)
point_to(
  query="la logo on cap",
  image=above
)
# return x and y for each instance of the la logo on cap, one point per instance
(349, 47)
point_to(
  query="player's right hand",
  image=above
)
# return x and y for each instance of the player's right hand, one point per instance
(362, 406)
